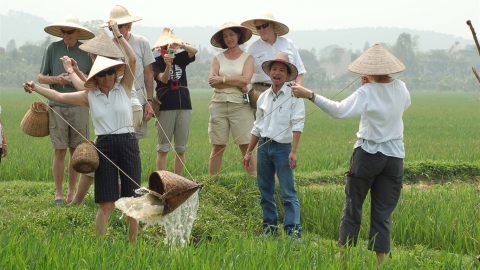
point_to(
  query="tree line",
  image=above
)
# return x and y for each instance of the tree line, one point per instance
(441, 70)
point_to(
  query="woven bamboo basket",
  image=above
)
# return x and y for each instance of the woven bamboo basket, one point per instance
(172, 189)
(35, 121)
(253, 96)
(85, 158)
(156, 106)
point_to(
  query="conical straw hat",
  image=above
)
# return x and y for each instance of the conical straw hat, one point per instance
(120, 15)
(215, 40)
(69, 21)
(172, 188)
(280, 28)
(102, 45)
(167, 37)
(100, 64)
(282, 58)
(376, 61)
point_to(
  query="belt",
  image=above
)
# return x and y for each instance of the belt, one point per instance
(263, 84)
(266, 139)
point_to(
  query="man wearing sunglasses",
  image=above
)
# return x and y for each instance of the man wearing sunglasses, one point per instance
(69, 124)
(267, 46)
(143, 83)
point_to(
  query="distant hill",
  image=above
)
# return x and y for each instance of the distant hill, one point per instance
(24, 27)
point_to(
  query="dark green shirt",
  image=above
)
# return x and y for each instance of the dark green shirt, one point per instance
(52, 65)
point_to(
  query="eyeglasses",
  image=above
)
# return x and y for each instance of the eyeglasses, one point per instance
(265, 25)
(106, 72)
(67, 32)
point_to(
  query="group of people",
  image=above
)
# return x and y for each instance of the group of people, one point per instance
(118, 92)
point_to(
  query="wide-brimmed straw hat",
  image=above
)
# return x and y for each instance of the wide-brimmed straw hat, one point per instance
(120, 15)
(54, 29)
(280, 28)
(376, 61)
(102, 45)
(167, 37)
(215, 40)
(281, 57)
(100, 64)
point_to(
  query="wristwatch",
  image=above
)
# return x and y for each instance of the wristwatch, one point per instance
(70, 71)
(311, 95)
(150, 100)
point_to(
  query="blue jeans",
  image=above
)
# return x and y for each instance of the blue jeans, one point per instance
(272, 157)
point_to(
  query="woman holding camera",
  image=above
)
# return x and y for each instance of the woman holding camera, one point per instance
(175, 115)
(230, 77)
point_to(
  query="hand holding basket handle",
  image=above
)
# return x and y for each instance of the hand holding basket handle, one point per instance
(29, 86)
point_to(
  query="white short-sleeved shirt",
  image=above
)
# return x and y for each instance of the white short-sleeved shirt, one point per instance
(381, 107)
(143, 52)
(263, 51)
(112, 114)
(278, 115)
(1, 136)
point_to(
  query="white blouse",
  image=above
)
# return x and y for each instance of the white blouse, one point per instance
(381, 107)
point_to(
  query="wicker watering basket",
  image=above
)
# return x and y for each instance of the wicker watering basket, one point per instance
(85, 158)
(156, 106)
(35, 121)
(172, 189)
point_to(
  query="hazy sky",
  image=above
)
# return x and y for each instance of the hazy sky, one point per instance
(445, 16)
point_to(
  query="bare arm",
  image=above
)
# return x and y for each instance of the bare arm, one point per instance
(292, 157)
(4, 143)
(300, 78)
(165, 75)
(220, 82)
(46, 79)
(75, 98)
(246, 159)
(76, 75)
(148, 78)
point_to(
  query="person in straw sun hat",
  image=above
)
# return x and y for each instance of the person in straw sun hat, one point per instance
(101, 45)
(3, 139)
(230, 75)
(377, 160)
(270, 43)
(175, 113)
(110, 107)
(63, 136)
(277, 130)
(144, 73)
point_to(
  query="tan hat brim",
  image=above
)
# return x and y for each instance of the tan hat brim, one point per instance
(102, 45)
(280, 28)
(167, 37)
(246, 37)
(55, 30)
(123, 20)
(376, 61)
(102, 63)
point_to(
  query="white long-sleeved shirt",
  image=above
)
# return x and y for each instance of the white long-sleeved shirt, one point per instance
(381, 107)
(279, 115)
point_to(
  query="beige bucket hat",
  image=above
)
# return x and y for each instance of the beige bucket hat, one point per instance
(120, 15)
(100, 64)
(282, 58)
(69, 21)
(376, 61)
(167, 37)
(280, 28)
(215, 40)
(102, 45)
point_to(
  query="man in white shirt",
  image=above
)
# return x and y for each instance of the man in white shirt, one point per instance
(267, 46)
(145, 58)
(277, 129)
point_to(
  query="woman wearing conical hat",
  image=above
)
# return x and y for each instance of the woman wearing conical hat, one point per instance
(377, 161)
(230, 76)
(110, 108)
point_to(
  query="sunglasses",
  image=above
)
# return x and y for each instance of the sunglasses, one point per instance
(265, 25)
(106, 72)
(69, 32)
(121, 25)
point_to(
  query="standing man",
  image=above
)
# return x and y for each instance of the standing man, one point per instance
(277, 132)
(68, 124)
(144, 71)
(267, 46)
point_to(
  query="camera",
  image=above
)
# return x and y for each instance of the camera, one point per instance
(171, 53)
(246, 99)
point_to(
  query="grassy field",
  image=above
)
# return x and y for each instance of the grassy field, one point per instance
(435, 226)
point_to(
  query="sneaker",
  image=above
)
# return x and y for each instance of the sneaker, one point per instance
(294, 232)
(270, 230)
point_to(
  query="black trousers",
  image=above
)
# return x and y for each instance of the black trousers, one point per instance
(123, 151)
(382, 176)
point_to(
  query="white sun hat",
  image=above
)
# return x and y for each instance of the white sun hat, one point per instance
(55, 29)
(102, 63)
(280, 28)
(120, 15)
